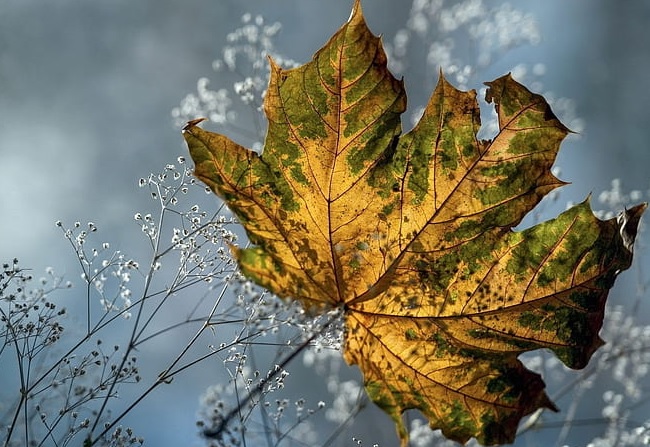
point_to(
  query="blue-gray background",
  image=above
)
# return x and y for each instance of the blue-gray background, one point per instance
(86, 90)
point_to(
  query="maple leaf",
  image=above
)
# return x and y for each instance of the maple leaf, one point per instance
(412, 234)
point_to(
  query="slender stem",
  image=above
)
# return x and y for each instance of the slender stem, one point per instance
(167, 375)
(216, 432)
(132, 340)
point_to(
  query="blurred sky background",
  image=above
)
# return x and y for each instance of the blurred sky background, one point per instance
(86, 91)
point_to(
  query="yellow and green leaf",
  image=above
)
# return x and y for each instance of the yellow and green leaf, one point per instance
(411, 234)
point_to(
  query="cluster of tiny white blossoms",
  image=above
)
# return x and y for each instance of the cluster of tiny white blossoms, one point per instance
(121, 285)
(246, 52)
(232, 406)
(107, 272)
(617, 436)
(627, 355)
(438, 23)
(200, 238)
(288, 329)
(59, 386)
(27, 312)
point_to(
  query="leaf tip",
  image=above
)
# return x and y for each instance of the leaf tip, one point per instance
(628, 222)
(274, 66)
(192, 123)
(356, 10)
(550, 405)
(559, 181)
